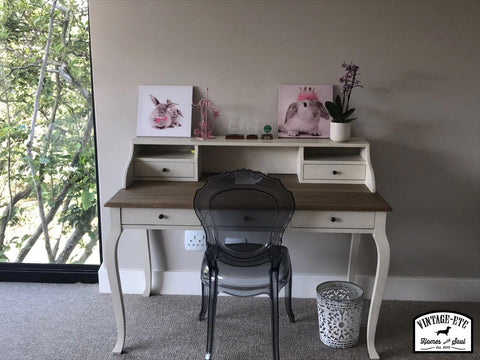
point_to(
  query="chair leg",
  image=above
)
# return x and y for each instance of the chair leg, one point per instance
(274, 301)
(203, 310)
(288, 299)
(212, 294)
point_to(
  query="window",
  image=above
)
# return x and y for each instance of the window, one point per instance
(48, 188)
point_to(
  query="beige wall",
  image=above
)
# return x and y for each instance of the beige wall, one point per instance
(420, 65)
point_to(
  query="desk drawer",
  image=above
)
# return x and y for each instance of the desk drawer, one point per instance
(169, 217)
(333, 219)
(333, 172)
(244, 219)
(163, 169)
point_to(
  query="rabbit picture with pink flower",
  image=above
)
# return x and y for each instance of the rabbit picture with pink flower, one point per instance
(164, 111)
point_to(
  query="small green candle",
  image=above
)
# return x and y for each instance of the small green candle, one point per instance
(267, 136)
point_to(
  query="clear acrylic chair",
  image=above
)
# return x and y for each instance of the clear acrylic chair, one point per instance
(244, 214)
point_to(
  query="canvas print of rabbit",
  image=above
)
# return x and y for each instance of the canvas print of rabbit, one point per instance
(302, 112)
(164, 111)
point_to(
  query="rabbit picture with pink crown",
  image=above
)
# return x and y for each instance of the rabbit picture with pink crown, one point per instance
(301, 111)
(164, 111)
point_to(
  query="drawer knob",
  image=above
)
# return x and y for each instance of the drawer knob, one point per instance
(165, 170)
(334, 172)
(161, 216)
(333, 219)
(246, 218)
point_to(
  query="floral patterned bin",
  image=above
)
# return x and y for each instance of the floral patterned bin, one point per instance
(339, 305)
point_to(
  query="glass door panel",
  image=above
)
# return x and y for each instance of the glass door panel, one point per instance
(48, 186)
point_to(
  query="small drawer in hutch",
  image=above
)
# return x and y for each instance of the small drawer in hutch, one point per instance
(333, 172)
(163, 169)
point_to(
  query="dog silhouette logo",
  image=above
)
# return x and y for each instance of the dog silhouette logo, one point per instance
(443, 332)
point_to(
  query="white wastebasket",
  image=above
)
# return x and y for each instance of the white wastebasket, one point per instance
(339, 305)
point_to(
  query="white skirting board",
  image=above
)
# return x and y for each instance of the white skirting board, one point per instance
(397, 288)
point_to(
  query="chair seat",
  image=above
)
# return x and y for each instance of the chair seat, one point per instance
(247, 280)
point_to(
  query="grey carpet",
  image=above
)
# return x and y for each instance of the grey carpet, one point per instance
(66, 322)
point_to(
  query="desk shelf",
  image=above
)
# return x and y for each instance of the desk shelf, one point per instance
(166, 152)
(351, 155)
(345, 159)
(312, 160)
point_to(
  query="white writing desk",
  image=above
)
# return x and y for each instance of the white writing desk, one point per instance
(345, 204)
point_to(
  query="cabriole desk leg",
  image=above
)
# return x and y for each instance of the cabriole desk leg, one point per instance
(147, 265)
(111, 264)
(353, 259)
(383, 262)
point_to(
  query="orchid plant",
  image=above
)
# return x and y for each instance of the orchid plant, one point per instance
(204, 131)
(339, 110)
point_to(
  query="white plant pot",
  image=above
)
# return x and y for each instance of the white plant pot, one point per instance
(340, 132)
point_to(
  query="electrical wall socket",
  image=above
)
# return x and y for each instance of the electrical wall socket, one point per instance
(195, 240)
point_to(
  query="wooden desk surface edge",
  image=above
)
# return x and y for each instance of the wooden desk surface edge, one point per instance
(179, 195)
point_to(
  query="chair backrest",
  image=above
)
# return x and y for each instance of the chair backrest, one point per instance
(244, 212)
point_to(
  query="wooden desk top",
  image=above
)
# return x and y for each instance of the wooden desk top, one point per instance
(179, 195)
